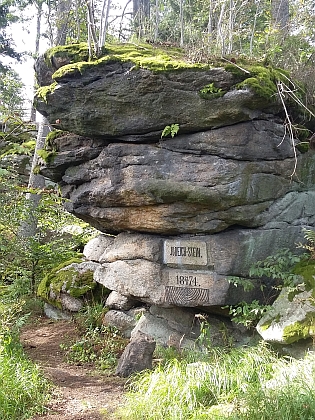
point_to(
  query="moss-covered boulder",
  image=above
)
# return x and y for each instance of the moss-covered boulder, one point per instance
(135, 91)
(69, 285)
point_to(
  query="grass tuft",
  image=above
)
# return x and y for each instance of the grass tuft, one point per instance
(240, 384)
(23, 389)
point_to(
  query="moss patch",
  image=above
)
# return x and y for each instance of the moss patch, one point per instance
(73, 53)
(66, 280)
(42, 92)
(142, 56)
(300, 329)
(263, 80)
(303, 146)
(47, 156)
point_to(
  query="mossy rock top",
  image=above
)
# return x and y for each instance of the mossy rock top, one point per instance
(140, 89)
(74, 59)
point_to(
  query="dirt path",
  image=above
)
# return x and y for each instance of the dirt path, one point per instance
(78, 394)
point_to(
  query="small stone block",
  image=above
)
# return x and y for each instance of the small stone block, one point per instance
(185, 252)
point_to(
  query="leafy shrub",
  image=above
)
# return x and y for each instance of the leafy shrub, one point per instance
(99, 346)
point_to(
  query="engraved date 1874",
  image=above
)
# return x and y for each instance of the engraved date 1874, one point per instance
(186, 281)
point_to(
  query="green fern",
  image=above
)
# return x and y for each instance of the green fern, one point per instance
(171, 130)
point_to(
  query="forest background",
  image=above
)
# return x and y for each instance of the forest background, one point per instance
(33, 224)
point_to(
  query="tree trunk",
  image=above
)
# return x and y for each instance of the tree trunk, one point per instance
(36, 181)
(63, 9)
(181, 18)
(141, 13)
(280, 15)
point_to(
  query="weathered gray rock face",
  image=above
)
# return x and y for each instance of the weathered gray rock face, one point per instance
(197, 183)
(135, 104)
(187, 270)
(137, 356)
(231, 161)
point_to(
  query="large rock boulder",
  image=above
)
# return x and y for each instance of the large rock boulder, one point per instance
(132, 93)
(190, 210)
(230, 162)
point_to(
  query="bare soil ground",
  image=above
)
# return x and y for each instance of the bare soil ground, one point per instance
(79, 394)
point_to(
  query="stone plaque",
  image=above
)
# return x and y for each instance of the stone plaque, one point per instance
(188, 288)
(185, 252)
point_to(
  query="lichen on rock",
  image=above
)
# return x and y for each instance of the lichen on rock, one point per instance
(73, 278)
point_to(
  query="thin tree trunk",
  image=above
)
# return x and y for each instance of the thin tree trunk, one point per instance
(231, 27)
(38, 29)
(77, 19)
(210, 22)
(251, 42)
(37, 182)
(181, 17)
(104, 19)
(280, 15)
(122, 18)
(157, 20)
(63, 9)
(220, 37)
(91, 28)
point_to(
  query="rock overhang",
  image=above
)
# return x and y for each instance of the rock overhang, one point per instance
(135, 82)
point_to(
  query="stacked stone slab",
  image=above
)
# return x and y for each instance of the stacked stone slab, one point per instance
(228, 190)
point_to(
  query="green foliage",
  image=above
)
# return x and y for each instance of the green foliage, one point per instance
(23, 390)
(280, 267)
(6, 45)
(171, 130)
(248, 314)
(246, 284)
(11, 88)
(211, 92)
(52, 135)
(303, 146)
(310, 245)
(181, 390)
(47, 156)
(25, 260)
(99, 345)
